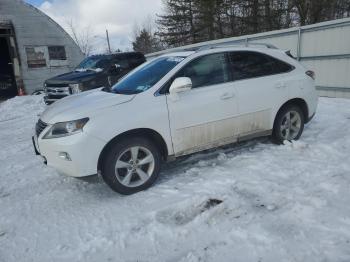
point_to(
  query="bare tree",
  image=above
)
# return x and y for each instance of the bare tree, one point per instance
(83, 37)
(148, 24)
(144, 38)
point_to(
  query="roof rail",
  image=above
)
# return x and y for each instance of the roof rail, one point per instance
(207, 47)
(267, 45)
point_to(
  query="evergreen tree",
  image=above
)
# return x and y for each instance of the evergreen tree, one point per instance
(146, 43)
(177, 26)
(191, 21)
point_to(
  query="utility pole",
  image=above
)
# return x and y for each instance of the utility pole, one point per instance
(109, 45)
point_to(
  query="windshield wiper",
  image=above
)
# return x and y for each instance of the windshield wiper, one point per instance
(91, 69)
(96, 70)
(107, 89)
(124, 92)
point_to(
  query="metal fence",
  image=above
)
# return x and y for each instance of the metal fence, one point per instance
(322, 47)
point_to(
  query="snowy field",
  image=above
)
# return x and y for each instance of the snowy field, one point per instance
(279, 203)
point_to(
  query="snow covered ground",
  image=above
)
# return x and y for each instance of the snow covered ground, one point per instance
(279, 203)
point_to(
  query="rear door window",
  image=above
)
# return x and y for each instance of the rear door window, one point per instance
(246, 64)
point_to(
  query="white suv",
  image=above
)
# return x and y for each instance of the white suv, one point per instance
(174, 105)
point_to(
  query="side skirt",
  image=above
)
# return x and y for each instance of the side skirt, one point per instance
(230, 141)
(255, 135)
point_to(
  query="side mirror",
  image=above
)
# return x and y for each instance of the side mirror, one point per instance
(180, 84)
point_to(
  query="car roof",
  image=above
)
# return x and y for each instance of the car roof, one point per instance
(182, 54)
(214, 49)
(117, 54)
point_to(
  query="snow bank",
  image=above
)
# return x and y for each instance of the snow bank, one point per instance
(21, 107)
(279, 203)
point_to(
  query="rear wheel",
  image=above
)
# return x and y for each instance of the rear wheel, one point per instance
(289, 124)
(131, 165)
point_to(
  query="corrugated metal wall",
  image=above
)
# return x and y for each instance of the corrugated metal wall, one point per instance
(323, 47)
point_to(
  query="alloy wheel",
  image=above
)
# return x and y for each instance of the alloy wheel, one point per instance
(134, 166)
(290, 125)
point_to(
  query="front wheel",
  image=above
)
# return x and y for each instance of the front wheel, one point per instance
(38, 92)
(131, 165)
(289, 124)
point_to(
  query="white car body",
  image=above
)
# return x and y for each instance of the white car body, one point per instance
(187, 122)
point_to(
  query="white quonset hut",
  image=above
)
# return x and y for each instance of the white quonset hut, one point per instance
(33, 48)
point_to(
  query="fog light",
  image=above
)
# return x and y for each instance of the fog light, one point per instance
(64, 156)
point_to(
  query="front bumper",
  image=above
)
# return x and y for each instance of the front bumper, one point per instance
(34, 140)
(54, 93)
(83, 151)
(51, 99)
(310, 118)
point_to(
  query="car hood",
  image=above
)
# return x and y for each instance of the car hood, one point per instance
(72, 77)
(82, 105)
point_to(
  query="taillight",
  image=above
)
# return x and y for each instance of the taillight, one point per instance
(311, 74)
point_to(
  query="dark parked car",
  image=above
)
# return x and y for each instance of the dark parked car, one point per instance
(93, 72)
(7, 80)
(6, 85)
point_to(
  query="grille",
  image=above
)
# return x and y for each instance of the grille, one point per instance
(56, 85)
(39, 127)
(58, 91)
(56, 96)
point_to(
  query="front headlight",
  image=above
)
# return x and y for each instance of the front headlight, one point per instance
(76, 88)
(66, 128)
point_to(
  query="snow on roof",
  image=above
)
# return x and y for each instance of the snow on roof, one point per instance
(184, 53)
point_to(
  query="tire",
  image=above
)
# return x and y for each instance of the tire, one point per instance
(122, 169)
(288, 130)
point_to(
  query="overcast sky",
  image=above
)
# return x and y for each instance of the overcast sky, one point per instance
(118, 16)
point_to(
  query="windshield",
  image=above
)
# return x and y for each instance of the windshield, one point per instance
(93, 63)
(146, 76)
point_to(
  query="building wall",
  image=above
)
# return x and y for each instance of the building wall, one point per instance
(323, 48)
(34, 29)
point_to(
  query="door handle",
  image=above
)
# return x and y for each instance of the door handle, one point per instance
(227, 96)
(280, 85)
